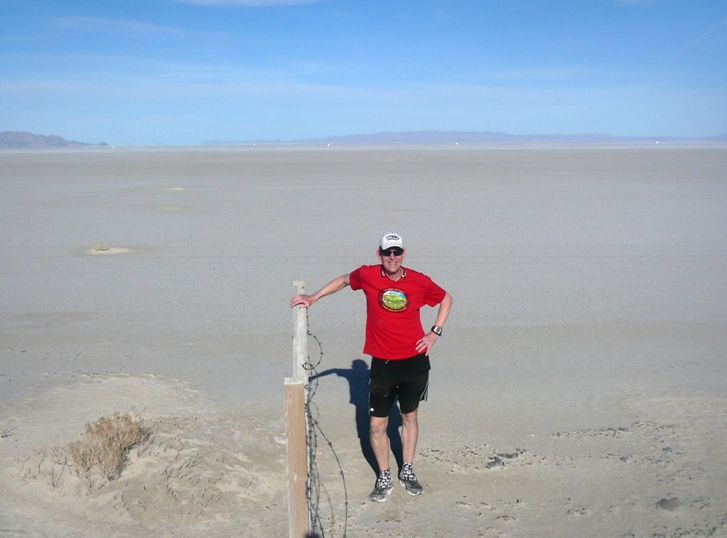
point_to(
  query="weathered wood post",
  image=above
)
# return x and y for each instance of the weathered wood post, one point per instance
(295, 430)
(300, 336)
(296, 426)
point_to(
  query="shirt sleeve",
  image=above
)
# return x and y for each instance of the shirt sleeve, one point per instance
(354, 279)
(434, 294)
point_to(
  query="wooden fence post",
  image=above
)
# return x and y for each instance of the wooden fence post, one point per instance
(297, 448)
(296, 426)
(300, 336)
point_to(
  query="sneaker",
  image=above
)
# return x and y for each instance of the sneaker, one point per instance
(384, 486)
(408, 480)
(379, 494)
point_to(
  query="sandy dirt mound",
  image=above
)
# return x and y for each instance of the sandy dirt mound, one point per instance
(195, 472)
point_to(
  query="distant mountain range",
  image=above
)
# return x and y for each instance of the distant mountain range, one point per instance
(469, 137)
(15, 139)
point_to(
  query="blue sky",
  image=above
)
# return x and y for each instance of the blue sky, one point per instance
(181, 72)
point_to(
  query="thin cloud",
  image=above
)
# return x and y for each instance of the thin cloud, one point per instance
(257, 3)
(545, 74)
(699, 39)
(124, 27)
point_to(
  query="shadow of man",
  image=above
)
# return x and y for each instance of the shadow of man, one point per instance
(358, 385)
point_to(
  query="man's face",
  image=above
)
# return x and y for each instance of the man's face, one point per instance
(391, 259)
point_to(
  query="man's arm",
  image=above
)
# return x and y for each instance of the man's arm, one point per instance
(337, 284)
(429, 339)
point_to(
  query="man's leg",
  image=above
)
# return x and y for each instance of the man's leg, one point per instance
(380, 445)
(380, 441)
(409, 435)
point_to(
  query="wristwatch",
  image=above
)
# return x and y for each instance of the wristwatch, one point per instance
(436, 329)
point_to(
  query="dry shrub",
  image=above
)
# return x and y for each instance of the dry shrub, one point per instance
(106, 445)
(98, 247)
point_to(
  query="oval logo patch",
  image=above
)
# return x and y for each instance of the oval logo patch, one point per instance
(393, 300)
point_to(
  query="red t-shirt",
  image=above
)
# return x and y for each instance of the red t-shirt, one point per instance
(393, 323)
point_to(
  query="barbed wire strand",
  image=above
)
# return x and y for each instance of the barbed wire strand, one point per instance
(313, 482)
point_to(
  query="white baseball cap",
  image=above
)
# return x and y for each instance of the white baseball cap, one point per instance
(391, 239)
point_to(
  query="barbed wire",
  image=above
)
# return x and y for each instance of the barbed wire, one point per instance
(313, 482)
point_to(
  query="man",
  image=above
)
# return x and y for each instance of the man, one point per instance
(399, 350)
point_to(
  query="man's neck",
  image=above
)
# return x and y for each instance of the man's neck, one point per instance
(395, 276)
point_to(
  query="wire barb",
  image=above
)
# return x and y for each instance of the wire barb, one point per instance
(313, 483)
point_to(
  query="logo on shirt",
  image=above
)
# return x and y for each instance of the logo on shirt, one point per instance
(393, 300)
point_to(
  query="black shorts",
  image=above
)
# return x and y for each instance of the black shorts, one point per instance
(406, 379)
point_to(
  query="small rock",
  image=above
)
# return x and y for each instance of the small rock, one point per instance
(668, 504)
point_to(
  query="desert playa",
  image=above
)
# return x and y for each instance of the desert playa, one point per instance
(579, 389)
